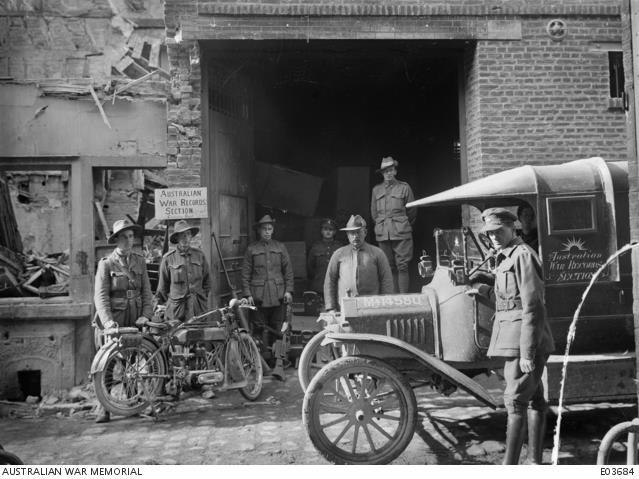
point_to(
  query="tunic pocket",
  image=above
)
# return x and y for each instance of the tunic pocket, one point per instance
(257, 289)
(195, 272)
(119, 281)
(178, 273)
(509, 333)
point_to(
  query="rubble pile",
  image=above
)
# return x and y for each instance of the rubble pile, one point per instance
(77, 401)
(34, 274)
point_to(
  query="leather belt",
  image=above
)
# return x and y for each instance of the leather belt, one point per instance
(128, 294)
(508, 304)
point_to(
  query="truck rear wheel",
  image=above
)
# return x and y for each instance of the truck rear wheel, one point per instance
(359, 410)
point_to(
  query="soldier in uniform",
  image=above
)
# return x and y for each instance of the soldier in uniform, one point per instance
(267, 277)
(528, 233)
(320, 254)
(184, 281)
(521, 334)
(393, 223)
(356, 269)
(122, 290)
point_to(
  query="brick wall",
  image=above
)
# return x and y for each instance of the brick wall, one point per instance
(542, 101)
(184, 115)
(529, 99)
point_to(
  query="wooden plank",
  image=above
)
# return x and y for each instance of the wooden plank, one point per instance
(137, 51)
(97, 102)
(154, 56)
(103, 221)
(124, 63)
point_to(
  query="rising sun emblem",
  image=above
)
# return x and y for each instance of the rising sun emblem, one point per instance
(574, 244)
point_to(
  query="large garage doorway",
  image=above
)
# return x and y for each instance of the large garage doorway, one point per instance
(297, 129)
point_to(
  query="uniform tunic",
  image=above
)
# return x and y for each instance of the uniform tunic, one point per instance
(267, 272)
(520, 329)
(184, 283)
(393, 230)
(122, 289)
(363, 271)
(317, 262)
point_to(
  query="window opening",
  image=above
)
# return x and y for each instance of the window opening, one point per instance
(35, 233)
(615, 65)
(572, 215)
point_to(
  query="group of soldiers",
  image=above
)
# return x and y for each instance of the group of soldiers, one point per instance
(521, 334)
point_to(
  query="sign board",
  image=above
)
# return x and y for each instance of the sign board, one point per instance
(181, 203)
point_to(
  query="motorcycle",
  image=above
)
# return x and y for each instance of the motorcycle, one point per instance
(136, 369)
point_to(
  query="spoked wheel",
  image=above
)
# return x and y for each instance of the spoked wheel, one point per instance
(8, 459)
(359, 410)
(130, 379)
(250, 357)
(314, 357)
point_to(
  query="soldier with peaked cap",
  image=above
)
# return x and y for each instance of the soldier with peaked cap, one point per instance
(122, 290)
(184, 282)
(393, 222)
(267, 277)
(521, 334)
(356, 269)
(320, 254)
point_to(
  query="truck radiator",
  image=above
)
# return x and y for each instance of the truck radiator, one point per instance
(411, 330)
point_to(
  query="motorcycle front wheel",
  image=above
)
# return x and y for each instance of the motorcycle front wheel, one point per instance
(130, 379)
(252, 364)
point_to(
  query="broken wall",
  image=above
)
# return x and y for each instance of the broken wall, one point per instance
(83, 86)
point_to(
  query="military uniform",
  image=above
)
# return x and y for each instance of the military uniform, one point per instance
(122, 289)
(520, 332)
(184, 283)
(360, 271)
(520, 329)
(393, 230)
(317, 262)
(267, 274)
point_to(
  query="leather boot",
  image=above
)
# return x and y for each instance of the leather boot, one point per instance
(403, 281)
(514, 435)
(536, 432)
(101, 414)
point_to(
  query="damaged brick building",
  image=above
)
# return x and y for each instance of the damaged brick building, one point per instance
(83, 88)
(299, 97)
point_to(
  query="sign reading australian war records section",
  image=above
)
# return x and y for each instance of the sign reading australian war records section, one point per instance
(181, 203)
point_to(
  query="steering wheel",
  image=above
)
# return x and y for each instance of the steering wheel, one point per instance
(484, 240)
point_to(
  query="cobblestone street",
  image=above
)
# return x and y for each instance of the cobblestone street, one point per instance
(228, 430)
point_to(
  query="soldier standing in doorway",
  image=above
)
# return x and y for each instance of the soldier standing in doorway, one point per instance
(320, 254)
(184, 281)
(267, 278)
(393, 222)
(122, 289)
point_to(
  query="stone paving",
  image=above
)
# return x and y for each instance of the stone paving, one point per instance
(230, 430)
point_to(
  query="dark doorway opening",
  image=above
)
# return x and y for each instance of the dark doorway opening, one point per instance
(333, 109)
(30, 383)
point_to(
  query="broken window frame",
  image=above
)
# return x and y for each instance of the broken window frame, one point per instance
(22, 164)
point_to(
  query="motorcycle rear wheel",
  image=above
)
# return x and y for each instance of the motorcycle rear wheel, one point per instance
(123, 386)
(250, 357)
